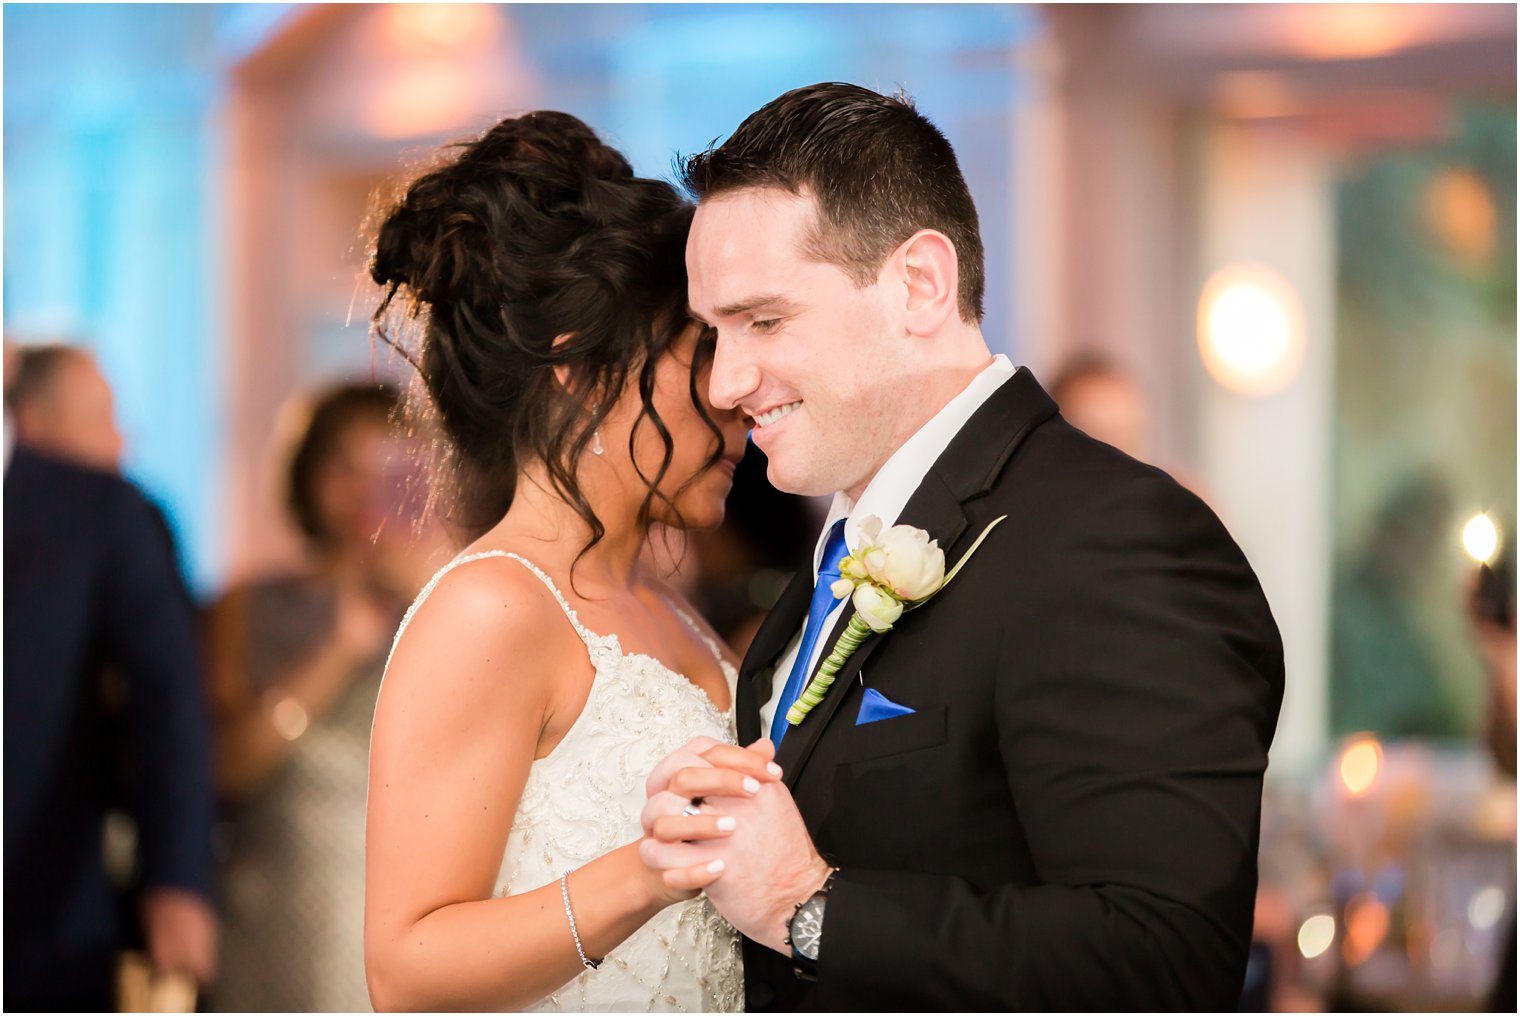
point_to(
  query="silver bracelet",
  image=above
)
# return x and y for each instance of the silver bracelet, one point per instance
(564, 892)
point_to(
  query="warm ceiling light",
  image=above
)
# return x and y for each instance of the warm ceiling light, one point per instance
(1250, 329)
(1351, 31)
(1480, 538)
(424, 27)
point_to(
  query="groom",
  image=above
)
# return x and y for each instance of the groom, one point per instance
(1040, 790)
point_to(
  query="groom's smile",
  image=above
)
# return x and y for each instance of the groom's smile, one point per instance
(770, 416)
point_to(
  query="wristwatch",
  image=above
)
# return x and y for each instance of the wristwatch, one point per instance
(804, 931)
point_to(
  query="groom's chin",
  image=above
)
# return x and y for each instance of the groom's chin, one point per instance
(803, 486)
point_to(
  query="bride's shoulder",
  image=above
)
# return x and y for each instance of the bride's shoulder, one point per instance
(484, 613)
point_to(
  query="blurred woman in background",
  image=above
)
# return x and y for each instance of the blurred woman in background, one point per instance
(295, 665)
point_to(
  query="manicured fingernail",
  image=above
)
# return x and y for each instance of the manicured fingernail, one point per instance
(773, 768)
(751, 785)
(728, 823)
(713, 867)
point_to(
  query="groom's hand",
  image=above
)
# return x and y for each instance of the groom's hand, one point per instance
(769, 863)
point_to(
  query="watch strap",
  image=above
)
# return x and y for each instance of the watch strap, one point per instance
(806, 968)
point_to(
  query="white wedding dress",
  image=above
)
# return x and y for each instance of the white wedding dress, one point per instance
(584, 799)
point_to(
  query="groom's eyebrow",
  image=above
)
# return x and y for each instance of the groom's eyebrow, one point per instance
(770, 301)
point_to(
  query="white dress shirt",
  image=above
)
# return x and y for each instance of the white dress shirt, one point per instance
(885, 497)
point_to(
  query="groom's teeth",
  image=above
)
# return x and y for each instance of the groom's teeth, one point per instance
(766, 419)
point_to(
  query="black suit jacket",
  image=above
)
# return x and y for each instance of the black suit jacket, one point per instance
(1069, 818)
(90, 580)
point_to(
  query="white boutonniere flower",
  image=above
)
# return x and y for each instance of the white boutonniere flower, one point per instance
(892, 571)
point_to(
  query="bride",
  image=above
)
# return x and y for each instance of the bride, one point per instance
(541, 675)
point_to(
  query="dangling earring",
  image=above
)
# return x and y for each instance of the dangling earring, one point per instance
(596, 435)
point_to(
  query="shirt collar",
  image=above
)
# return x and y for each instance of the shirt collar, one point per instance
(894, 483)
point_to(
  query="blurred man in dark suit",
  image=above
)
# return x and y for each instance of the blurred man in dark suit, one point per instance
(90, 582)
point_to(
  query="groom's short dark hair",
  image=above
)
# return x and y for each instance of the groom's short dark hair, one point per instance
(879, 169)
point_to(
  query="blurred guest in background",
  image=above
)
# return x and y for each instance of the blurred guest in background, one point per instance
(295, 668)
(90, 581)
(1103, 401)
(63, 406)
(1492, 615)
(1385, 676)
(1491, 611)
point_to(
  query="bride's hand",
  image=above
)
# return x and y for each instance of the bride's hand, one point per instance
(677, 884)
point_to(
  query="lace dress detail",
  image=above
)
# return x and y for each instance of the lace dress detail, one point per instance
(584, 800)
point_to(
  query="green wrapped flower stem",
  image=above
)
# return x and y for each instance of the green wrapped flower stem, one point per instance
(850, 641)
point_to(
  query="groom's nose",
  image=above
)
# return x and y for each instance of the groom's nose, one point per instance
(734, 375)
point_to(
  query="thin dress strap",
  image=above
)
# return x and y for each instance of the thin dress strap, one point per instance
(587, 635)
(691, 623)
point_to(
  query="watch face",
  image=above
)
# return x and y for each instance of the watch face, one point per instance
(807, 927)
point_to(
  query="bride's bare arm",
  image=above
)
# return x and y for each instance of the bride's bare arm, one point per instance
(468, 696)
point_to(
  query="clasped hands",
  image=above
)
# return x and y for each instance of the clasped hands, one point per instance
(746, 845)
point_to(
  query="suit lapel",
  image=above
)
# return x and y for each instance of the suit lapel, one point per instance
(967, 469)
(757, 672)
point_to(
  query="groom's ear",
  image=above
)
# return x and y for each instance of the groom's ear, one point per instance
(930, 276)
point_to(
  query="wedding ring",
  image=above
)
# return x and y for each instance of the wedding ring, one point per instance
(693, 807)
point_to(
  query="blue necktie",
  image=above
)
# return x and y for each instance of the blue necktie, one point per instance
(824, 601)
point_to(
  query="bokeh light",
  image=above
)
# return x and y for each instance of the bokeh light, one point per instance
(1486, 907)
(1367, 921)
(1361, 763)
(1250, 329)
(1480, 538)
(1460, 212)
(289, 718)
(1316, 935)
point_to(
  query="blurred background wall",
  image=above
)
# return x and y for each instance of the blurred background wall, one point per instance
(1291, 226)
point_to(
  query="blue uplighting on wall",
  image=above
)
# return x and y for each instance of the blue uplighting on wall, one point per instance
(110, 229)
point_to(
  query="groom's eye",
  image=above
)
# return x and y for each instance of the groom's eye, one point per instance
(766, 326)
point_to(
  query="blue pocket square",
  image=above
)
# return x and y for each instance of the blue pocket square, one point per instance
(876, 706)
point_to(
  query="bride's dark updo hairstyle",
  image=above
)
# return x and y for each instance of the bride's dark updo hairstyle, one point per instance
(536, 232)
